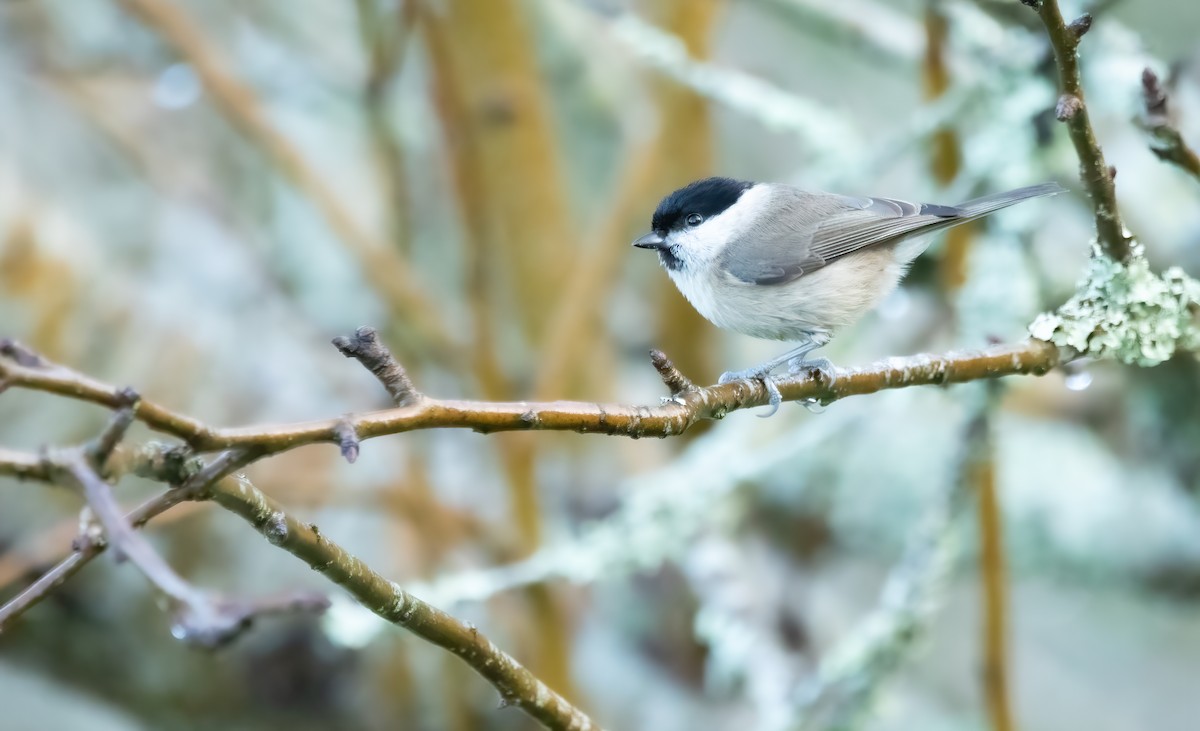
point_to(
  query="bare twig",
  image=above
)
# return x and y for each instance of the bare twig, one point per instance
(161, 465)
(19, 354)
(1095, 173)
(209, 620)
(199, 618)
(711, 402)
(364, 346)
(85, 549)
(516, 684)
(102, 448)
(1165, 139)
(675, 381)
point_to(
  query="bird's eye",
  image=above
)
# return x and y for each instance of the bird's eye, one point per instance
(695, 219)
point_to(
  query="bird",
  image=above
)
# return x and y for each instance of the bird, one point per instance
(776, 262)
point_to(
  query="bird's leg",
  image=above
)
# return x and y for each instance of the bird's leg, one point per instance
(763, 372)
(799, 364)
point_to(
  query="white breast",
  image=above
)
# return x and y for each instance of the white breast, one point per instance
(830, 298)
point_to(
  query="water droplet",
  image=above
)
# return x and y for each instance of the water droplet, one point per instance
(1078, 381)
(813, 406)
(178, 631)
(177, 87)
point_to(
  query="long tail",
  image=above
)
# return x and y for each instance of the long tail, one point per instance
(989, 203)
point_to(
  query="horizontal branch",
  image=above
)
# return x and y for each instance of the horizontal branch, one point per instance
(672, 417)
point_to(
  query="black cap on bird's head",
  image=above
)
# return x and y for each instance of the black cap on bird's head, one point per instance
(691, 205)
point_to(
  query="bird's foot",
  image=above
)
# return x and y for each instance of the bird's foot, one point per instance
(823, 367)
(774, 398)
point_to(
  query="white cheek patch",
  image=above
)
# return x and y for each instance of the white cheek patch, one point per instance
(706, 241)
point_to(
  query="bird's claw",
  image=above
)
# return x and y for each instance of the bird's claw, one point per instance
(774, 397)
(823, 367)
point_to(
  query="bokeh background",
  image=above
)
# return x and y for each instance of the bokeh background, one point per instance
(196, 195)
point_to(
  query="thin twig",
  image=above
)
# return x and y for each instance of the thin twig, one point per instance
(1165, 139)
(364, 346)
(516, 684)
(672, 378)
(200, 618)
(85, 548)
(103, 446)
(668, 419)
(1072, 109)
(19, 354)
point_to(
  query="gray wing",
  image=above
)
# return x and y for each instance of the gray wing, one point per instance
(809, 230)
(814, 229)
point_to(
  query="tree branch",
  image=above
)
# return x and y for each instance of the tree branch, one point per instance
(200, 618)
(675, 416)
(208, 620)
(1166, 142)
(161, 463)
(388, 600)
(364, 346)
(1072, 110)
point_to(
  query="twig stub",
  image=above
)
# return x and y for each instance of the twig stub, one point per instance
(225, 619)
(1166, 142)
(364, 346)
(1080, 26)
(20, 354)
(102, 447)
(1154, 98)
(348, 440)
(672, 378)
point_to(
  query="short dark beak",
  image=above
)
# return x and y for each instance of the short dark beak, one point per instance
(650, 241)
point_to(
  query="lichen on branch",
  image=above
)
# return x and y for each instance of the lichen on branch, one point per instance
(1126, 311)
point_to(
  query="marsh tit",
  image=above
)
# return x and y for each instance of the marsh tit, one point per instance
(774, 262)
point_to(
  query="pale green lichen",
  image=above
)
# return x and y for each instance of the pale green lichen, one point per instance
(1126, 312)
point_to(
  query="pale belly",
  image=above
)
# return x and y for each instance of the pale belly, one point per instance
(828, 299)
